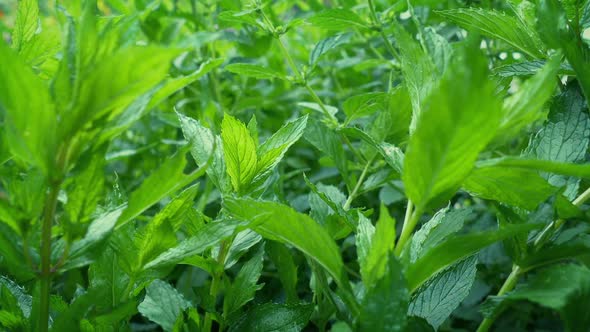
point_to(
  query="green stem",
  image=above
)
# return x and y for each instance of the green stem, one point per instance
(215, 282)
(540, 240)
(410, 221)
(508, 285)
(379, 26)
(354, 192)
(46, 274)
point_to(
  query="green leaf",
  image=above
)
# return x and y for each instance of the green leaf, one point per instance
(505, 184)
(382, 244)
(555, 252)
(27, 23)
(24, 300)
(526, 105)
(392, 155)
(553, 27)
(385, 303)
(363, 105)
(271, 317)
(281, 257)
(244, 285)
(337, 19)
(365, 232)
(239, 151)
(557, 167)
(210, 235)
(163, 304)
(328, 142)
(441, 295)
(499, 26)
(87, 191)
(274, 148)
(439, 49)
(115, 82)
(82, 252)
(30, 123)
(326, 45)
(454, 249)
(205, 146)
(392, 123)
(528, 68)
(279, 222)
(106, 274)
(326, 203)
(161, 183)
(564, 138)
(418, 70)
(443, 224)
(562, 288)
(256, 71)
(450, 135)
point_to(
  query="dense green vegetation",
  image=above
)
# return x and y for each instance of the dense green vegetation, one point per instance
(337, 165)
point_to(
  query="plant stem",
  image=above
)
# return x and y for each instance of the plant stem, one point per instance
(410, 220)
(508, 285)
(379, 26)
(45, 277)
(540, 240)
(216, 279)
(354, 192)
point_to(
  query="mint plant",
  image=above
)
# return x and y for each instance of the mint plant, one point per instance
(294, 166)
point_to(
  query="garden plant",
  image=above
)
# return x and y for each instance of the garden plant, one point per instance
(318, 165)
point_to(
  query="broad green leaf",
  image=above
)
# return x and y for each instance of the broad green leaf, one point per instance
(441, 295)
(327, 207)
(529, 68)
(555, 252)
(163, 304)
(363, 105)
(382, 244)
(106, 274)
(27, 23)
(385, 303)
(328, 142)
(205, 146)
(274, 148)
(87, 191)
(560, 287)
(365, 231)
(526, 105)
(271, 317)
(450, 135)
(337, 19)
(117, 81)
(30, 122)
(24, 300)
(210, 235)
(439, 49)
(499, 26)
(418, 70)
(239, 151)
(256, 71)
(392, 123)
(253, 129)
(282, 259)
(506, 185)
(326, 45)
(564, 138)
(557, 167)
(454, 249)
(443, 224)
(242, 242)
(161, 183)
(244, 285)
(82, 252)
(157, 236)
(279, 222)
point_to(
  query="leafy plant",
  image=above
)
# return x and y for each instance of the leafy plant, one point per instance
(297, 165)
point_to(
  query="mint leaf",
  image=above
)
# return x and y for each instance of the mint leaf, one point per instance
(162, 304)
(337, 19)
(239, 151)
